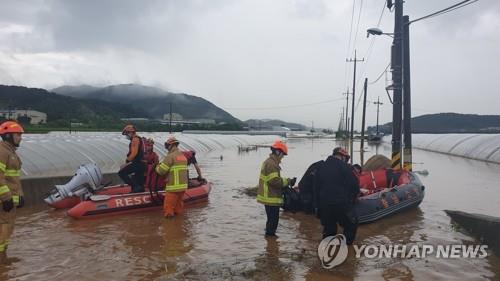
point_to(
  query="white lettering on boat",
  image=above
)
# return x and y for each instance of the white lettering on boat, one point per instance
(131, 201)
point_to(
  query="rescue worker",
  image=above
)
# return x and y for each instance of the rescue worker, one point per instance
(174, 165)
(132, 173)
(11, 192)
(338, 188)
(271, 186)
(191, 158)
(150, 157)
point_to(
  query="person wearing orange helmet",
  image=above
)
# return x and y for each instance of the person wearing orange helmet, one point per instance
(271, 184)
(337, 189)
(132, 172)
(11, 192)
(175, 167)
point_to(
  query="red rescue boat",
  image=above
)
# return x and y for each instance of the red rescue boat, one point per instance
(72, 201)
(87, 198)
(101, 205)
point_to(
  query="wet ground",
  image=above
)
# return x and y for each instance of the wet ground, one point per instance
(222, 239)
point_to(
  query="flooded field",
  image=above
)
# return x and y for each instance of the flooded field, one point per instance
(223, 238)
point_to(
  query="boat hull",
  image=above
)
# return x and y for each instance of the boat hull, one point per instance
(132, 203)
(72, 201)
(375, 202)
(390, 201)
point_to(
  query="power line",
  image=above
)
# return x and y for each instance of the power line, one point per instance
(381, 74)
(357, 25)
(368, 54)
(349, 44)
(446, 10)
(283, 106)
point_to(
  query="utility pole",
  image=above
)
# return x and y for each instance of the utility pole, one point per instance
(342, 120)
(355, 60)
(170, 118)
(378, 103)
(407, 151)
(363, 122)
(396, 65)
(346, 112)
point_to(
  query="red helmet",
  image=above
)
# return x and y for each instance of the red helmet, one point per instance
(279, 145)
(171, 140)
(341, 151)
(128, 129)
(9, 127)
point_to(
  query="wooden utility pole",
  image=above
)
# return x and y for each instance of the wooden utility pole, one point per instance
(397, 69)
(363, 123)
(346, 112)
(351, 139)
(407, 151)
(378, 103)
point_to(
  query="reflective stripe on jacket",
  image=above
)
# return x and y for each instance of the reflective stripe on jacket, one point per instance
(271, 183)
(174, 165)
(10, 173)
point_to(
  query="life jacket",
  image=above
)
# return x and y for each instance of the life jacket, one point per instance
(373, 181)
(189, 154)
(140, 153)
(149, 157)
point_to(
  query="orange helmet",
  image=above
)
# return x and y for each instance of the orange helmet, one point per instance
(340, 151)
(279, 145)
(171, 140)
(128, 129)
(8, 127)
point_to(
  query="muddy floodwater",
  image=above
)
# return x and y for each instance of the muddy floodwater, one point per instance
(222, 239)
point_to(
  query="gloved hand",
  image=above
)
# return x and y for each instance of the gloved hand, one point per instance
(292, 182)
(8, 205)
(21, 202)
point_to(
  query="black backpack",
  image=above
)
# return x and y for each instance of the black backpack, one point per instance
(291, 200)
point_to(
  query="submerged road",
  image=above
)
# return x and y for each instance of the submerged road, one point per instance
(223, 238)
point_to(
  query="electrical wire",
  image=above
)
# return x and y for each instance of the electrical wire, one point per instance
(357, 25)
(381, 74)
(349, 44)
(367, 56)
(446, 10)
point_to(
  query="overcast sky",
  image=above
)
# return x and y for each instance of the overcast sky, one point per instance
(249, 55)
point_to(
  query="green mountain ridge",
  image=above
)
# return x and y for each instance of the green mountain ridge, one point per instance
(62, 109)
(154, 101)
(269, 123)
(442, 123)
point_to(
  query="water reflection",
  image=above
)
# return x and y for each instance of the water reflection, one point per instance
(223, 238)
(174, 233)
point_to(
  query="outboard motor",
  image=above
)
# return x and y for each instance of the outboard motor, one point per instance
(84, 183)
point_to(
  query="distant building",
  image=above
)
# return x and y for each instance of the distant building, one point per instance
(135, 119)
(35, 117)
(175, 117)
(178, 119)
(203, 121)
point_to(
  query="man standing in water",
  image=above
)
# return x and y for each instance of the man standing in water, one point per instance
(338, 189)
(271, 186)
(191, 158)
(134, 165)
(174, 165)
(11, 192)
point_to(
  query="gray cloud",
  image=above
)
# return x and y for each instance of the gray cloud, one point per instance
(252, 53)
